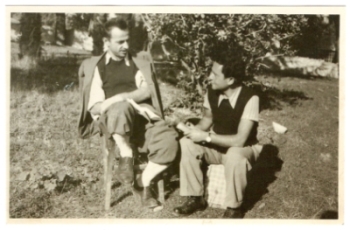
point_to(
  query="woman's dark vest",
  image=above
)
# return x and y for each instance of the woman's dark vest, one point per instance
(226, 119)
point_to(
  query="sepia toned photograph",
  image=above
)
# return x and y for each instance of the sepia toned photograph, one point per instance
(149, 114)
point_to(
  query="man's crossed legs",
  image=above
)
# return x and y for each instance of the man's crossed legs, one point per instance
(130, 131)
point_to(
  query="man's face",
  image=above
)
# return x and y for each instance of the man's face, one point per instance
(217, 78)
(118, 43)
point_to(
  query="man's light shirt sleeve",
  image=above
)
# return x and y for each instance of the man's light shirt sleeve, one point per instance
(96, 92)
(140, 80)
(251, 109)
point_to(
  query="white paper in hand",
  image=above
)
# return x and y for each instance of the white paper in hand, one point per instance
(144, 111)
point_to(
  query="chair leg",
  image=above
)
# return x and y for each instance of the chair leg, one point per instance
(160, 185)
(109, 181)
(107, 164)
(105, 160)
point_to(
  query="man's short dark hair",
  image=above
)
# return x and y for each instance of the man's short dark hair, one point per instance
(115, 23)
(232, 61)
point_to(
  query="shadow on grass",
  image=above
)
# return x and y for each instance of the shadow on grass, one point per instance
(116, 184)
(261, 175)
(121, 198)
(329, 215)
(49, 76)
(272, 98)
(67, 184)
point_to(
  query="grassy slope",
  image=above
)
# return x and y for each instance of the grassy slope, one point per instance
(307, 184)
(43, 125)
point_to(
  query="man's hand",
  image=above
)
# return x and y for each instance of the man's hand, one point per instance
(107, 103)
(196, 135)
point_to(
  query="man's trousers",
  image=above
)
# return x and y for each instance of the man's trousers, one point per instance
(237, 162)
(157, 140)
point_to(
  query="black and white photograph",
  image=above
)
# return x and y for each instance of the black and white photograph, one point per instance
(196, 113)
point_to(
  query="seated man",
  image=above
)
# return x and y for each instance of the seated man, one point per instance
(226, 134)
(108, 84)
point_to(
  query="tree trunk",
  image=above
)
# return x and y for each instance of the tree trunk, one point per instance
(96, 29)
(31, 35)
(60, 29)
(69, 30)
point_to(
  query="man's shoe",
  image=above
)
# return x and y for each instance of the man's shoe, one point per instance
(193, 204)
(125, 170)
(233, 213)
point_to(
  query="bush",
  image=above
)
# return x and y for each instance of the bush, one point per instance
(319, 34)
(200, 34)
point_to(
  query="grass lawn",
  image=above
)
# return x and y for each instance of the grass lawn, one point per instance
(53, 174)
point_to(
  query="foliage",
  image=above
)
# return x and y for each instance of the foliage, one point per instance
(48, 19)
(200, 34)
(97, 31)
(31, 35)
(317, 29)
(82, 21)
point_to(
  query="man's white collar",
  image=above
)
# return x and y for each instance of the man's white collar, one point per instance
(109, 57)
(233, 98)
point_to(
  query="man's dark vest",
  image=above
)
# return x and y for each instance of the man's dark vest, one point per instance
(117, 77)
(226, 119)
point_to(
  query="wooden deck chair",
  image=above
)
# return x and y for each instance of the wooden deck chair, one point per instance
(107, 143)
